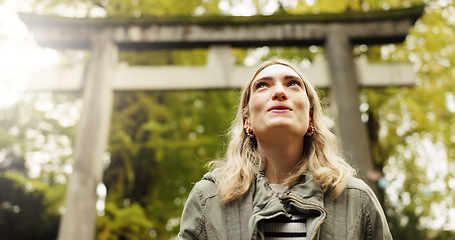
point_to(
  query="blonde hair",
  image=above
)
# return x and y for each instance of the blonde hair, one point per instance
(320, 153)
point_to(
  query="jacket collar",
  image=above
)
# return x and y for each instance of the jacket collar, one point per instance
(305, 196)
(305, 189)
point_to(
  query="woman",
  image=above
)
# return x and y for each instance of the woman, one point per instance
(283, 177)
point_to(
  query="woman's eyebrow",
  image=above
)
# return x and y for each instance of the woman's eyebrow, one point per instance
(287, 77)
(266, 78)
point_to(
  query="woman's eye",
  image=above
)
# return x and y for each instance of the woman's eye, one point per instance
(261, 85)
(294, 83)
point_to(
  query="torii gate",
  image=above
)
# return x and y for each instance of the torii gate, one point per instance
(104, 37)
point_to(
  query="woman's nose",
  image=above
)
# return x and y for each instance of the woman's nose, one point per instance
(279, 93)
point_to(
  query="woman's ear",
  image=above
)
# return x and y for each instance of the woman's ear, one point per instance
(311, 113)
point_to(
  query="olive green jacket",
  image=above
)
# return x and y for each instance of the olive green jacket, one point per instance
(355, 214)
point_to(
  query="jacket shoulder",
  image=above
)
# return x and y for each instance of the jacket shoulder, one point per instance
(359, 194)
(194, 216)
(362, 201)
(358, 189)
(356, 183)
(206, 187)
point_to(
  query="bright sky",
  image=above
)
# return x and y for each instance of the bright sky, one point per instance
(19, 54)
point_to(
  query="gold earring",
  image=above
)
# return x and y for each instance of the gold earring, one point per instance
(249, 132)
(310, 130)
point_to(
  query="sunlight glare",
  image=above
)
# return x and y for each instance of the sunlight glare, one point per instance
(19, 55)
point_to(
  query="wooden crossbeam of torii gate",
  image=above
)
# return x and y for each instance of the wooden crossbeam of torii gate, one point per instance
(104, 37)
(211, 76)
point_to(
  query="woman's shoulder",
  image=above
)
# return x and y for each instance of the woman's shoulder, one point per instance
(361, 199)
(357, 189)
(206, 187)
(212, 176)
(357, 183)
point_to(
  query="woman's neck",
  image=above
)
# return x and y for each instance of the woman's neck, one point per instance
(281, 156)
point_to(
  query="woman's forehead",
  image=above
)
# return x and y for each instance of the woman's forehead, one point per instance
(277, 70)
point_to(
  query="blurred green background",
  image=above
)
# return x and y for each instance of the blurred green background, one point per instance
(159, 141)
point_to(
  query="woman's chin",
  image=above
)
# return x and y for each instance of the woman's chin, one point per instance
(280, 123)
(284, 128)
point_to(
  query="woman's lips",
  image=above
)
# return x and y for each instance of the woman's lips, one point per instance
(279, 108)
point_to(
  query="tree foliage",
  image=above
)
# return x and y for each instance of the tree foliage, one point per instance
(34, 147)
(25, 212)
(159, 143)
(129, 222)
(414, 130)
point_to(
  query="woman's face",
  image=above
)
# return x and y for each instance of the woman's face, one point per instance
(278, 103)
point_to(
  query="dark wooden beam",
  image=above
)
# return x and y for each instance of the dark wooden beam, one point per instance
(344, 91)
(191, 32)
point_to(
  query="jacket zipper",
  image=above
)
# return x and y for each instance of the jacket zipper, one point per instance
(317, 206)
(261, 235)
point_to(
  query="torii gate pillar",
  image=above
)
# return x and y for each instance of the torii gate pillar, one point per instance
(91, 141)
(344, 92)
